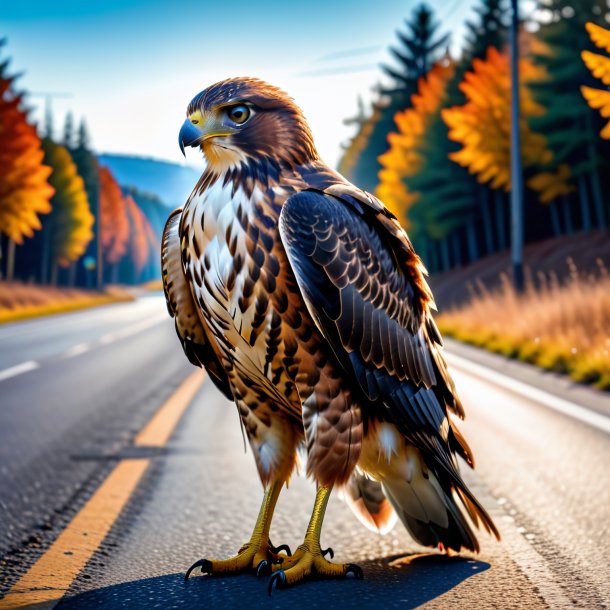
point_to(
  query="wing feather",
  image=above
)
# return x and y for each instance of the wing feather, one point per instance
(364, 286)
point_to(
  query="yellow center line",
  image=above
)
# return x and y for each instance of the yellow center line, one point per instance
(47, 581)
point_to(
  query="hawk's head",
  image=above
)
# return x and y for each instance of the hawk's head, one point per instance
(245, 119)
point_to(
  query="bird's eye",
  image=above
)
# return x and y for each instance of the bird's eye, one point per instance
(239, 114)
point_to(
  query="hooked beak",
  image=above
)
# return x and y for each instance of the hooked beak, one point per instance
(189, 135)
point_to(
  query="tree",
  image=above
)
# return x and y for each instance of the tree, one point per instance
(24, 190)
(567, 122)
(67, 230)
(138, 240)
(599, 66)
(490, 30)
(68, 140)
(88, 168)
(403, 159)
(419, 48)
(114, 223)
(482, 126)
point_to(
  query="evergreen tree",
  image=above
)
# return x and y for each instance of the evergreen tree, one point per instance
(68, 140)
(88, 168)
(419, 48)
(569, 125)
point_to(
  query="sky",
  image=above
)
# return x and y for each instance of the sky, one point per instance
(130, 67)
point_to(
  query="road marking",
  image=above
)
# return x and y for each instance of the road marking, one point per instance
(158, 430)
(131, 330)
(76, 350)
(571, 409)
(18, 369)
(48, 580)
(51, 576)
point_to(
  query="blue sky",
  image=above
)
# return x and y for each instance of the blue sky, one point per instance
(131, 67)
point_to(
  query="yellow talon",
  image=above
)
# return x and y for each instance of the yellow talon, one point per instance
(258, 554)
(308, 560)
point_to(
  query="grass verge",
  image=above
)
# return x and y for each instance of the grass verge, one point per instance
(23, 301)
(559, 326)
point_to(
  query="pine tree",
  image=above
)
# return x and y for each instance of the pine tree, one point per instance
(88, 168)
(68, 140)
(24, 190)
(568, 123)
(420, 47)
(67, 230)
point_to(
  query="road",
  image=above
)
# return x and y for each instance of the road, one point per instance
(81, 450)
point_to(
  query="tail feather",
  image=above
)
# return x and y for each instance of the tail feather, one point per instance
(368, 502)
(435, 509)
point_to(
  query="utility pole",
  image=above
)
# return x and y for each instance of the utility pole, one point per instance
(516, 170)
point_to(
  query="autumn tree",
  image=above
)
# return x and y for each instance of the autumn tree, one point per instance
(138, 247)
(114, 223)
(570, 127)
(67, 229)
(403, 159)
(482, 126)
(599, 66)
(24, 189)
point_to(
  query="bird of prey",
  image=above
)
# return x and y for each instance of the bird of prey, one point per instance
(304, 300)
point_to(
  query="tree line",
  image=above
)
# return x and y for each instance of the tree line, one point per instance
(435, 145)
(64, 219)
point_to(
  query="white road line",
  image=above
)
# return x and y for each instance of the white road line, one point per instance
(75, 350)
(18, 369)
(131, 330)
(571, 409)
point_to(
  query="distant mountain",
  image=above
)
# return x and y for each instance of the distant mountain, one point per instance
(171, 182)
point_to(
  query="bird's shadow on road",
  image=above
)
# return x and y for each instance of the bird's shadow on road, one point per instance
(405, 582)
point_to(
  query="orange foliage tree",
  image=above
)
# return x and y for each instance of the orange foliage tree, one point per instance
(68, 229)
(114, 222)
(403, 159)
(139, 249)
(599, 66)
(482, 125)
(24, 190)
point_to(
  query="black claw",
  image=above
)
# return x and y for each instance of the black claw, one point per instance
(277, 581)
(354, 571)
(263, 568)
(206, 568)
(328, 551)
(282, 547)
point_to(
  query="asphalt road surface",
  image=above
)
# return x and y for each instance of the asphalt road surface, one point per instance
(98, 509)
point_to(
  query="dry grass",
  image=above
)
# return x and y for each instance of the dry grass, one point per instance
(21, 301)
(559, 326)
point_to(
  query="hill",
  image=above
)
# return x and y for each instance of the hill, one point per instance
(550, 257)
(171, 182)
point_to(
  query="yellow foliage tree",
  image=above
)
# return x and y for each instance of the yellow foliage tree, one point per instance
(24, 190)
(599, 65)
(70, 223)
(403, 158)
(482, 126)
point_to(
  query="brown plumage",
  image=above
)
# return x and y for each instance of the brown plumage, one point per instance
(303, 298)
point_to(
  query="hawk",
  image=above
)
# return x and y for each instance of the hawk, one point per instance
(302, 297)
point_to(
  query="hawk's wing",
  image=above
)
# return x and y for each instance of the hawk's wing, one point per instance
(182, 307)
(364, 287)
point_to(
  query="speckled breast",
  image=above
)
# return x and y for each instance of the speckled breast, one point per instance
(241, 280)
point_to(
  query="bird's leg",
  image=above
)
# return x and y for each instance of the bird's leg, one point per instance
(309, 559)
(258, 553)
